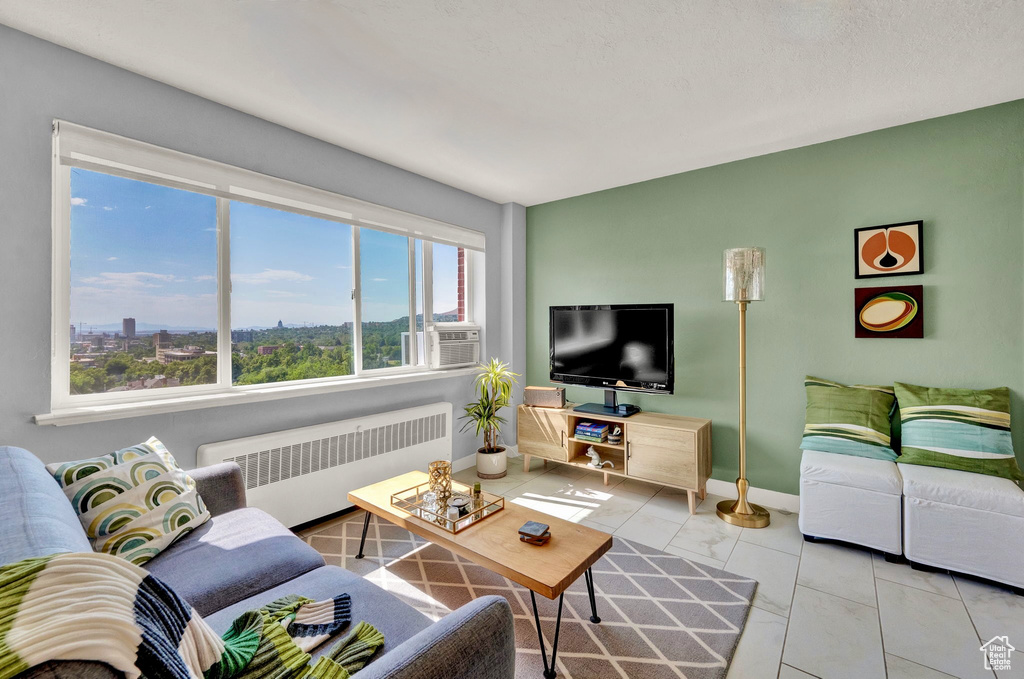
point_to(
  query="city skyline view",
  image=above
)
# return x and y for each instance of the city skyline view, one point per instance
(150, 252)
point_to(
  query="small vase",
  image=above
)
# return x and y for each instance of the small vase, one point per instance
(491, 463)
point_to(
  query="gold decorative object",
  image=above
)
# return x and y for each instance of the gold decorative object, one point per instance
(743, 282)
(412, 500)
(440, 473)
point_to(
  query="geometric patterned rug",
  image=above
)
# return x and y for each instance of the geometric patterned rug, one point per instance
(662, 616)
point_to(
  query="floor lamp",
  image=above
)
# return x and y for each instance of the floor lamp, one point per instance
(743, 277)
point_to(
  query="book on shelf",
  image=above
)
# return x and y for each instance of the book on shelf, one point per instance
(591, 439)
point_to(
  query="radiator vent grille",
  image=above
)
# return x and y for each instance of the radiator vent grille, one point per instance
(308, 457)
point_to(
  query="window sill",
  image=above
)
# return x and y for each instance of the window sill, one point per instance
(115, 411)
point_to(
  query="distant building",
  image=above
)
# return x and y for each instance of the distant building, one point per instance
(128, 327)
(280, 325)
(163, 343)
(175, 355)
(242, 335)
(267, 349)
(73, 337)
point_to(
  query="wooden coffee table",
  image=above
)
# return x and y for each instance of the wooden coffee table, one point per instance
(494, 543)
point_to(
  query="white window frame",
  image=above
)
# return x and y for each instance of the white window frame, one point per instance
(77, 146)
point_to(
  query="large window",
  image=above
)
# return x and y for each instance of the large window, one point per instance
(174, 275)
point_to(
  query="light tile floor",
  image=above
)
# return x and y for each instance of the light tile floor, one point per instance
(821, 610)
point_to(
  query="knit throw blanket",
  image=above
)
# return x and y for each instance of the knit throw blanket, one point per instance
(102, 608)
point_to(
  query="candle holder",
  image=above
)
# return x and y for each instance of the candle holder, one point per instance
(440, 473)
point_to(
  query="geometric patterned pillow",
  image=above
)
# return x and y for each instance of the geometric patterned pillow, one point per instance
(964, 429)
(848, 420)
(132, 503)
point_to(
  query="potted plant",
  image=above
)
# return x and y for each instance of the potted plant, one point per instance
(494, 383)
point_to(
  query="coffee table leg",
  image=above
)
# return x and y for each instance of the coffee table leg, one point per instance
(362, 540)
(589, 575)
(549, 672)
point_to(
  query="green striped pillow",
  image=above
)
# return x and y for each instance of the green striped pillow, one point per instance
(850, 420)
(964, 429)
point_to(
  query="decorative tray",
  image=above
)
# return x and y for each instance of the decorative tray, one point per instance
(418, 502)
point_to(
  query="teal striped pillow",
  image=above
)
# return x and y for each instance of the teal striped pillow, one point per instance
(963, 429)
(848, 420)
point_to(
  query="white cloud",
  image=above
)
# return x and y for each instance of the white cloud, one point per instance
(148, 206)
(343, 266)
(271, 276)
(212, 228)
(107, 208)
(379, 280)
(135, 279)
(79, 201)
(283, 294)
(200, 279)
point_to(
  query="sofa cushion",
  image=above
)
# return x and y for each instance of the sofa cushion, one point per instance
(231, 557)
(846, 470)
(37, 519)
(965, 429)
(396, 619)
(848, 420)
(964, 489)
(133, 503)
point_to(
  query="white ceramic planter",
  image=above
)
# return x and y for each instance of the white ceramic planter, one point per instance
(491, 465)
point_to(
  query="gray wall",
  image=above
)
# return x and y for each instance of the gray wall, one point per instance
(40, 81)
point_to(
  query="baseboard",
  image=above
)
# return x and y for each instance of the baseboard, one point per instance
(761, 496)
(464, 462)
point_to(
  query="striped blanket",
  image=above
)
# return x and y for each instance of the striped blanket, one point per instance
(103, 608)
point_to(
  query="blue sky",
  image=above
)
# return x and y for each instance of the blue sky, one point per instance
(150, 252)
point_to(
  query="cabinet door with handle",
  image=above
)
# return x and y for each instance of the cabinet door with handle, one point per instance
(543, 432)
(662, 455)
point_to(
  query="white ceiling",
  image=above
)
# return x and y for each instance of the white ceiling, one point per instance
(535, 100)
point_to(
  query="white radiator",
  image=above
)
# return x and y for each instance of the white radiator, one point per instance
(303, 474)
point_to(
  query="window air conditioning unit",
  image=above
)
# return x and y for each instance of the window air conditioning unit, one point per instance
(453, 345)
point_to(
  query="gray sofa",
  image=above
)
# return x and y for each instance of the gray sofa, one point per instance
(243, 558)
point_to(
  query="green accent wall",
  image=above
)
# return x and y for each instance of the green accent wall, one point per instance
(662, 241)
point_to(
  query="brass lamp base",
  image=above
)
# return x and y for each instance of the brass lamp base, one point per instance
(742, 513)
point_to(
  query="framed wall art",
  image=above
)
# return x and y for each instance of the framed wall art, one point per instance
(888, 250)
(895, 311)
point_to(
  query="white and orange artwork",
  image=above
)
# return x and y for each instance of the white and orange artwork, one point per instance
(890, 250)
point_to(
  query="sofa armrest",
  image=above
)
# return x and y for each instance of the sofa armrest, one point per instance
(221, 486)
(476, 641)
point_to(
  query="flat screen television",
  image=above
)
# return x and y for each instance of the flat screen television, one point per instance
(616, 347)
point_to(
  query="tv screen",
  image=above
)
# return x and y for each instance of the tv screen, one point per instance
(619, 346)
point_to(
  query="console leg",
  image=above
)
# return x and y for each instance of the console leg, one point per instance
(362, 540)
(691, 499)
(549, 671)
(893, 558)
(526, 463)
(589, 575)
(606, 478)
(703, 492)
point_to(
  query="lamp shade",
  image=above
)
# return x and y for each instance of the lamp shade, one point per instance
(743, 275)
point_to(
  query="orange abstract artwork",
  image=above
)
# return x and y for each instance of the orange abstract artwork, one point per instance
(890, 250)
